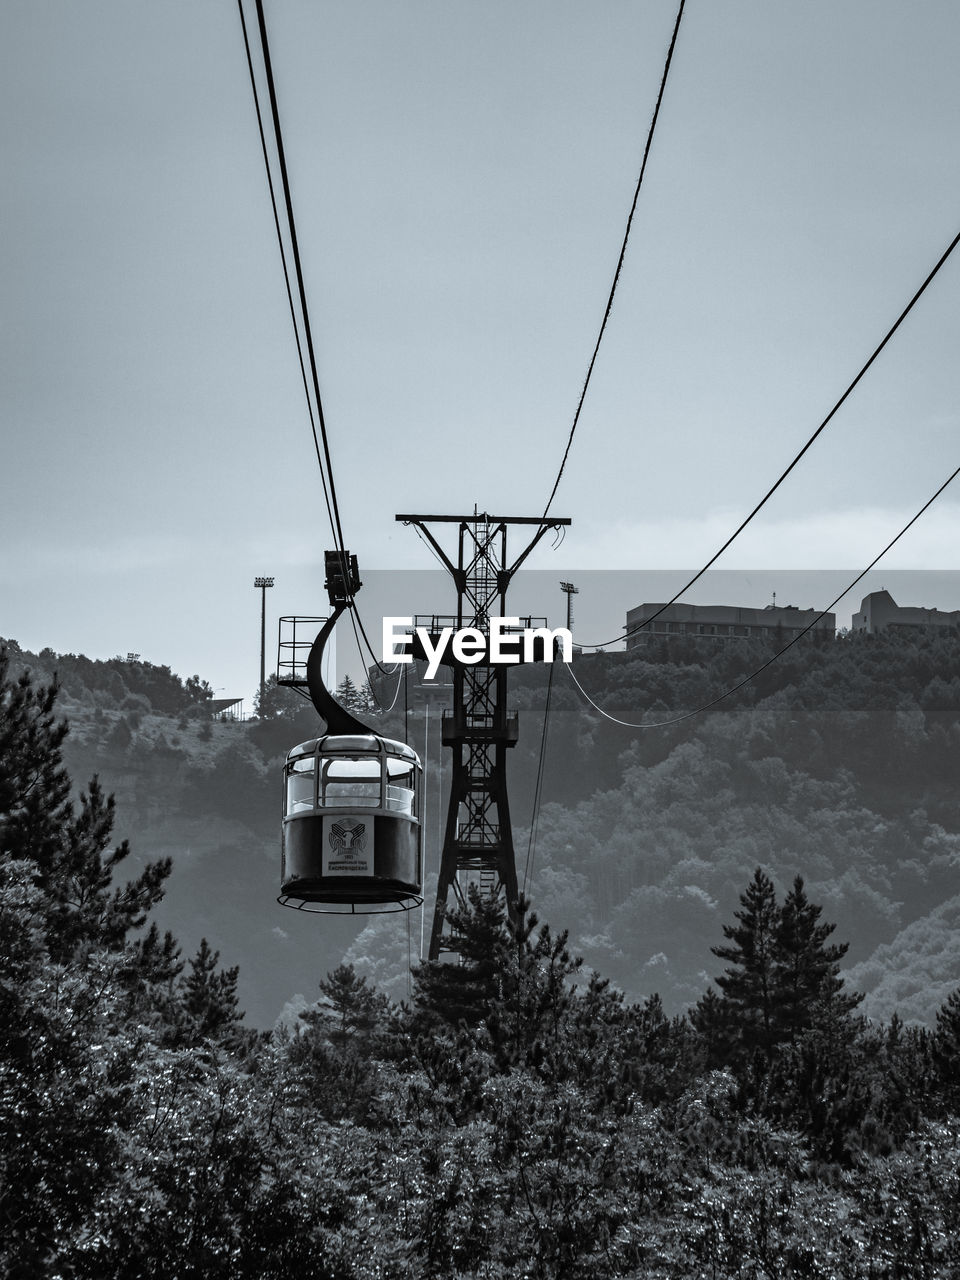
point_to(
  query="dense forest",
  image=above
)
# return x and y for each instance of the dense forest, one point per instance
(516, 1117)
(838, 763)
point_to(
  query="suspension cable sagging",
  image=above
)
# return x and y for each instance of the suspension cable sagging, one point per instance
(620, 261)
(687, 715)
(538, 788)
(776, 485)
(301, 288)
(286, 269)
(303, 332)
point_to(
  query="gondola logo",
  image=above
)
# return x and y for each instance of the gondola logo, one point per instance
(345, 850)
(348, 836)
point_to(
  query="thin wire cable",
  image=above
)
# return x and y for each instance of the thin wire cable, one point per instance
(423, 807)
(337, 526)
(433, 551)
(440, 807)
(396, 692)
(538, 788)
(426, 542)
(283, 259)
(356, 634)
(301, 288)
(355, 622)
(620, 260)
(324, 460)
(406, 704)
(773, 488)
(366, 639)
(663, 724)
(409, 959)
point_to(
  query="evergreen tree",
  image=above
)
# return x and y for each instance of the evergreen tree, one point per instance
(67, 849)
(357, 701)
(513, 984)
(65, 1063)
(276, 702)
(528, 1021)
(748, 987)
(70, 978)
(337, 1045)
(465, 993)
(119, 738)
(946, 1050)
(784, 983)
(210, 999)
(808, 988)
(353, 1011)
(948, 1025)
(34, 786)
(712, 1019)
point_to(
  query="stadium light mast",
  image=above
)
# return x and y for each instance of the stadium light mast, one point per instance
(262, 584)
(570, 591)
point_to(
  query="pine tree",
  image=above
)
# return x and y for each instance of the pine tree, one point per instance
(353, 1011)
(529, 1016)
(73, 994)
(784, 981)
(946, 1050)
(210, 999)
(34, 786)
(513, 984)
(808, 988)
(65, 1059)
(713, 1020)
(336, 1047)
(357, 701)
(66, 849)
(465, 993)
(748, 987)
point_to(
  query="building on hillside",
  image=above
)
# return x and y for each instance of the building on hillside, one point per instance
(880, 612)
(226, 708)
(725, 622)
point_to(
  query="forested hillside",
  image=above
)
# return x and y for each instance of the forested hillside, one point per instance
(517, 1118)
(206, 795)
(839, 764)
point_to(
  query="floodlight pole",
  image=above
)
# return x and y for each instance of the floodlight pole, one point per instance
(570, 590)
(262, 584)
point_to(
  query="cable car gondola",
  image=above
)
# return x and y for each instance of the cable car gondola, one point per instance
(352, 837)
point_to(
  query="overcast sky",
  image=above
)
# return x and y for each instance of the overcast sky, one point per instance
(461, 175)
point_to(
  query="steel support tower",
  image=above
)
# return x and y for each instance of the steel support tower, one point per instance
(261, 584)
(479, 729)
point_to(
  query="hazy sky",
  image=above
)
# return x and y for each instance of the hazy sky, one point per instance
(462, 174)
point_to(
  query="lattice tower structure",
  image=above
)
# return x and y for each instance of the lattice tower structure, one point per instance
(479, 729)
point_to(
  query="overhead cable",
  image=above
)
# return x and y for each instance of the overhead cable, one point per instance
(283, 259)
(355, 614)
(301, 289)
(321, 443)
(396, 693)
(662, 724)
(774, 487)
(538, 789)
(623, 254)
